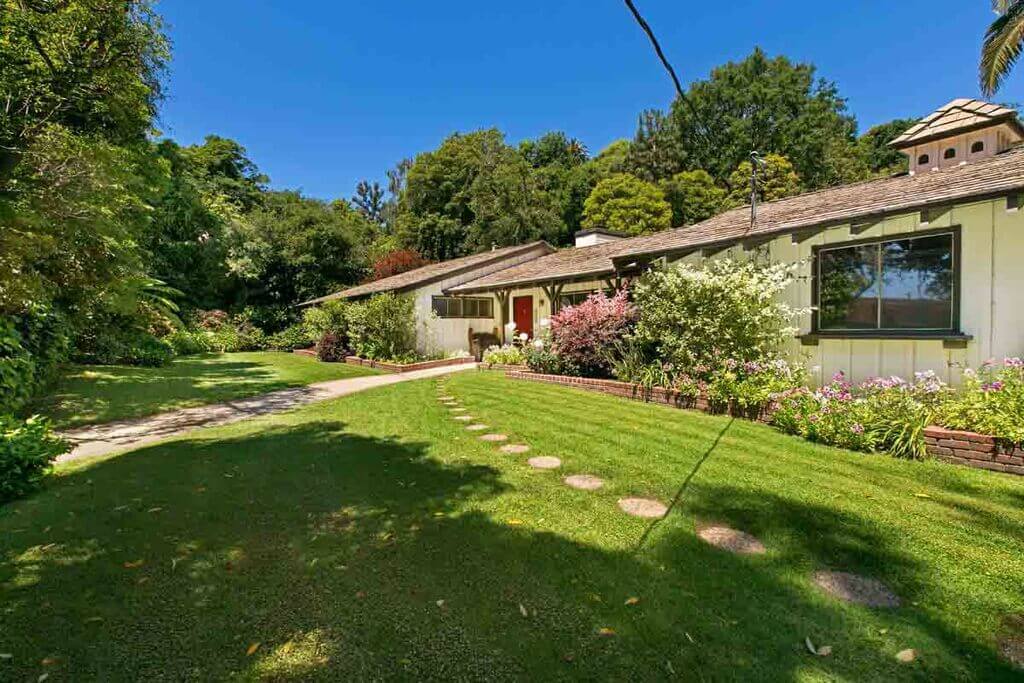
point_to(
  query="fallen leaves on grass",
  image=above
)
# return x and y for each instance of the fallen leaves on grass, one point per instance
(906, 656)
(252, 649)
(632, 601)
(134, 565)
(606, 632)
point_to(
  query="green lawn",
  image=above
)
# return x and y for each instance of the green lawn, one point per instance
(374, 537)
(89, 394)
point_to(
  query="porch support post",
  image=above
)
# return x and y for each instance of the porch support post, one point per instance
(502, 295)
(553, 291)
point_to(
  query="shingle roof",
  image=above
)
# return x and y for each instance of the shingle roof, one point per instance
(430, 273)
(573, 262)
(955, 117)
(870, 199)
(867, 200)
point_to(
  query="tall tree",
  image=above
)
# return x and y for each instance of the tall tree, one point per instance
(766, 104)
(369, 200)
(776, 179)
(1002, 46)
(875, 150)
(694, 197)
(624, 203)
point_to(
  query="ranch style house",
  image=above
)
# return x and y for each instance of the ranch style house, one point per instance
(922, 270)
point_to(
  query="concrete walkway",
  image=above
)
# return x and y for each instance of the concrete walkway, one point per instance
(117, 436)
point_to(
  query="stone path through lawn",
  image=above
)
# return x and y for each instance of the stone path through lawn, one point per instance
(106, 438)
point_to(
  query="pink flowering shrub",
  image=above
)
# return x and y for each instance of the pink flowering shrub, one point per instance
(583, 336)
(991, 401)
(883, 413)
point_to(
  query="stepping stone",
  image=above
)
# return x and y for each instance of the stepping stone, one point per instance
(515, 448)
(860, 590)
(733, 540)
(585, 482)
(444, 399)
(545, 462)
(643, 507)
(463, 418)
(494, 437)
(476, 427)
(457, 410)
(1011, 639)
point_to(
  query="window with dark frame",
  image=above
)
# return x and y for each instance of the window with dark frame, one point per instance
(950, 153)
(889, 286)
(462, 307)
(576, 298)
(978, 146)
(922, 160)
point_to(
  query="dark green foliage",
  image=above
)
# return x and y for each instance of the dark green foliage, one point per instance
(27, 451)
(383, 327)
(693, 196)
(291, 338)
(122, 346)
(875, 150)
(766, 104)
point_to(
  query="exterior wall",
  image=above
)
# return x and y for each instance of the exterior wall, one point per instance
(541, 305)
(991, 290)
(996, 139)
(448, 335)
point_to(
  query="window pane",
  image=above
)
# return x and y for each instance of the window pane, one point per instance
(454, 307)
(469, 308)
(486, 310)
(848, 297)
(440, 307)
(917, 283)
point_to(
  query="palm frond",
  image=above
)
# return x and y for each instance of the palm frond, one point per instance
(1003, 43)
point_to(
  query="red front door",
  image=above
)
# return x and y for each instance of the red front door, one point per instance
(522, 314)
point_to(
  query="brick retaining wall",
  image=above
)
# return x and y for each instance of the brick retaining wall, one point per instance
(974, 450)
(408, 367)
(669, 397)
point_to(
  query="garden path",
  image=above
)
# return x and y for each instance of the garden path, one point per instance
(107, 438)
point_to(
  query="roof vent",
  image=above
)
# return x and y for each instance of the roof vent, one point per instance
(588, 238)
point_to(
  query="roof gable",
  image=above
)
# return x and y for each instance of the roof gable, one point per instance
(954, 118)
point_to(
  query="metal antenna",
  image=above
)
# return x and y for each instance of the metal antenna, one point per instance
(755, 162)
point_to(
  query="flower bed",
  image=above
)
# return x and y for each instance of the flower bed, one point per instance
(506, 367)
(974, 450)
(407, 367)
(671, 397)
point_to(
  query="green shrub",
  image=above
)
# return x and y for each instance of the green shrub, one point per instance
(190, 342)
(991, 401)
(383, 327)
(541, 357)
(27, 451)
(111, 346)
(17, 370)
(505, 355)
(330, 316)
(753, 385)
(694, 318)
(290, 338)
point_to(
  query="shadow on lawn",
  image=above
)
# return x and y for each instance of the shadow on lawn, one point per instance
(347, 557)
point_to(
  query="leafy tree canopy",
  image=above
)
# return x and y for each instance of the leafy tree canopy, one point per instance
(625, 203)
(775, 179)
(766, 104)
(875, 150)
(694, 197)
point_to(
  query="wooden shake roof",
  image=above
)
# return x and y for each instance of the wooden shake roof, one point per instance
(955, 118)
(430, 273)
(857, 202)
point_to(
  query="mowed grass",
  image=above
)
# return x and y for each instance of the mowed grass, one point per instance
(374, 537)
(89, 394)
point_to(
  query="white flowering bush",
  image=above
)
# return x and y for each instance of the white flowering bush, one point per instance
(504, 355)
(695, 317)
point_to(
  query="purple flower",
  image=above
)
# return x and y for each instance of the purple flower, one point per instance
(1013, 362)
(994, 386)
(857, 428)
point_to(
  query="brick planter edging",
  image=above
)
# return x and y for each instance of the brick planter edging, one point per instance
(962, 448)
(670, 397)
(974, 450)
(406, 367)
(505, 367)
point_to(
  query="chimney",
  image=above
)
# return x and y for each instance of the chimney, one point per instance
(588, 238)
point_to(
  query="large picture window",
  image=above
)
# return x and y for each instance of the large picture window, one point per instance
(462, 307)
(896, 285)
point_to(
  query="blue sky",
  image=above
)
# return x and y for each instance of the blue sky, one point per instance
(324, 94)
